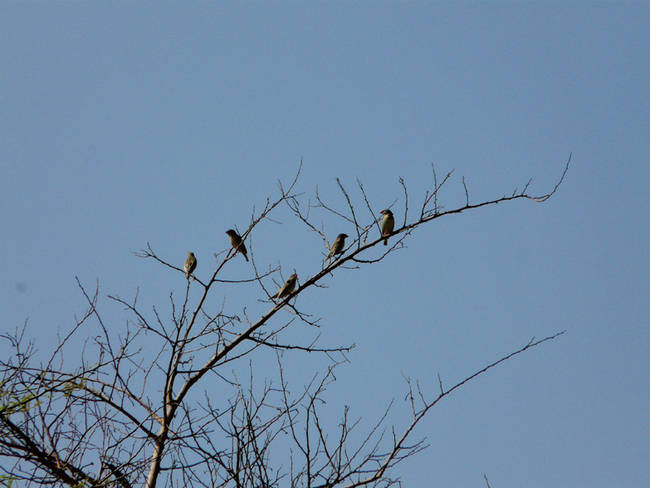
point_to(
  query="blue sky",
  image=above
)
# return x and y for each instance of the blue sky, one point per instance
(125, 123)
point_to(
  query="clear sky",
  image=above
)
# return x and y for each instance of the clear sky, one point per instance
(123, 123)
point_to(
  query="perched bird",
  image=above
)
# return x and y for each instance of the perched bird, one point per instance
(120, 477)
(237, 243)
(288, 287)
(387, 224)
(190, 264)
(337, 245)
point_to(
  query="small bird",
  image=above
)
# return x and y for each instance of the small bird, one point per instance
(337, 245)
(288, 287)
(120, 477)
(190, 264)
(387, 224)
(237, 243)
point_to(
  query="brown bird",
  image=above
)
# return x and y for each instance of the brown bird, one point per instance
(387, 224)
(337, 245)
(190, 264)
(237, 243)
(288, 287)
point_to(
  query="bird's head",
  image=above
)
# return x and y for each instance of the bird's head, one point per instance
(231, 232)
(343, 236)
(190, 254)
(386, 212)
(293, 277)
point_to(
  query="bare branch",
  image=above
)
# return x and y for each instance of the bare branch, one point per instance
(128, 411)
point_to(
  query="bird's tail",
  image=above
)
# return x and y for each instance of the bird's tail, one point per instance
(385, 242)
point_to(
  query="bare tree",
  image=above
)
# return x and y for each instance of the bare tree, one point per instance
(140, 405)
